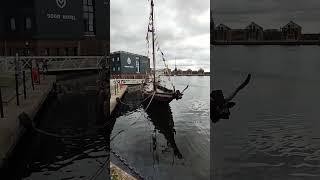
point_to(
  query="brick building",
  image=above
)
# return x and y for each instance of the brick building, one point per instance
(310, 37)
(272, 34)
(54, 27)
(222, 33)
(291, 31)
(238, 35)
(254, 32)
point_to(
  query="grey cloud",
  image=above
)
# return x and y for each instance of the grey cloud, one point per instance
(268, 13)
(181, 26)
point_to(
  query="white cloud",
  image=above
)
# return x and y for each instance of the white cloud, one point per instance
(183, 27)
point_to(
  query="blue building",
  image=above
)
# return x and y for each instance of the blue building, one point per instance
(129, 64)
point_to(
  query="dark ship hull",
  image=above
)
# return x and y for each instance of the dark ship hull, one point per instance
(159, 95)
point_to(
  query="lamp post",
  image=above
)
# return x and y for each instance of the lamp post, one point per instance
(1, 105)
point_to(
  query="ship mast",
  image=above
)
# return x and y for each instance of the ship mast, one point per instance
(175, 64)
(153, 53)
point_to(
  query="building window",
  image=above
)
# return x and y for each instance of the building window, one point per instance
(88, 16)
(118, 59)
(13, 24)
(112, 59)
(47, 52)
(118, 68)
(28, 23)
(75, 51)
(114, 69)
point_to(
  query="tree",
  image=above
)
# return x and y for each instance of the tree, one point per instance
(201, 71)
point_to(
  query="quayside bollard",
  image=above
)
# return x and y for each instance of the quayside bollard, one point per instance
(1, 105)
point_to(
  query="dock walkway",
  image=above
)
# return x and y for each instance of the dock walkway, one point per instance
(10, 128)
(118, 173)
(118, 93)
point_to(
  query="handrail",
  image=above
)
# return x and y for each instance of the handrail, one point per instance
(53, 63)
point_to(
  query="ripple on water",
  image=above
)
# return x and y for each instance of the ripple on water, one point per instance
(282, 141)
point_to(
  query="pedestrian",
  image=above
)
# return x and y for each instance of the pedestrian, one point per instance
(45, 66)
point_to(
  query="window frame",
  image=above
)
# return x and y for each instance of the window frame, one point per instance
(89, 17)
(28, 23)
(12, 24)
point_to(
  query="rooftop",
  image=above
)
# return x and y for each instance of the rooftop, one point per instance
(125, 52)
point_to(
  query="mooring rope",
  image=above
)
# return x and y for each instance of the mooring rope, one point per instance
(132, 105)
(137, 119)
(99, 171)
(124, 162)
(28, 123)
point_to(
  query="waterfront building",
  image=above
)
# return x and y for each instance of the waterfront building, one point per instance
(126, 65)
(310, 37)
(291, 31)
(238, 35)
(222, 33)
(54, 28)
(272, 34)
(254, 32)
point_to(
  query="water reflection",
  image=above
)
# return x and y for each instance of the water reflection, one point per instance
(180, 130)
(161, 117)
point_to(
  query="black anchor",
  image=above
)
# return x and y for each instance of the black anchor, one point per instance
(219, 106)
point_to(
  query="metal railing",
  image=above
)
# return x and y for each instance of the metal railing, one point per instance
(17, 85)
(53, 63)
(23, 71)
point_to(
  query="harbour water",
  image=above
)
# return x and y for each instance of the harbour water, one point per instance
(171, 142)
(273, 131)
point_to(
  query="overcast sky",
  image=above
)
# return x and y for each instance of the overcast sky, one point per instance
(268, 13)
(183, 27)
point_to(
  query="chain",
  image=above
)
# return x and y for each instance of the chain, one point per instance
(124, 162)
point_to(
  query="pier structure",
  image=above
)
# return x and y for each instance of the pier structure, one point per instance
(21, 93)
(117, 90)
(11, 130)
(118, 173)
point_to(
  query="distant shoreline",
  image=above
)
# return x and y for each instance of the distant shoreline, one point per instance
(287, 43)
(191, 74)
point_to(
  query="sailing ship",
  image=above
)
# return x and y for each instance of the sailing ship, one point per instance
(158, 93)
